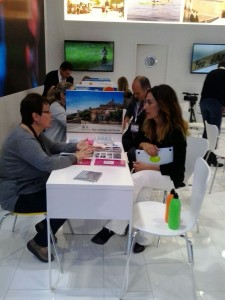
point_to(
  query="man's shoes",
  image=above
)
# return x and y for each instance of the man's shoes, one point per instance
(212, 160)
(102, 236)
(40, 252)
(40, 226)
(138, 248)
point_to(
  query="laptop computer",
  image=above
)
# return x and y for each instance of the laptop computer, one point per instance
(165, 156)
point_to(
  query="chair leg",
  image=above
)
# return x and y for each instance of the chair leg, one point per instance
(207, 154)
(54, 246)
(55, 250)
(164, 201)
(126, 274)
(70, 226)
(4, 217)
(197, 225)
(214, 175)
(14, 223)
(190, 252)
(164, 196)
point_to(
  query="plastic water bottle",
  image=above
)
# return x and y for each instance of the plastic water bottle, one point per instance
(174, 213)
(168, 199)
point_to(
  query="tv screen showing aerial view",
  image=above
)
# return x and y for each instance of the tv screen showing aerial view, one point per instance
(90, 56)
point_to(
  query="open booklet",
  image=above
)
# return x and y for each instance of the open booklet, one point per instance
(88, 176)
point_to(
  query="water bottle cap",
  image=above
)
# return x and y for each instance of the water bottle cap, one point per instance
(172, 191)
(176, 196)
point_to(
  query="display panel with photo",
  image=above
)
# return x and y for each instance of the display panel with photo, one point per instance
(94, 111)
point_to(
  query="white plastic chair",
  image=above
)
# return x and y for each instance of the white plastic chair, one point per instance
(213, 137)
(148, 217)
(220, 154)
(196, 147)
(212, 132)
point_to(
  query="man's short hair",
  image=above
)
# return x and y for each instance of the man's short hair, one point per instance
(66, 65)
(144, 82)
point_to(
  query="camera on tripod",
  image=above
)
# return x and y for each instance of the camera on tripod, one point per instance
(192, 98)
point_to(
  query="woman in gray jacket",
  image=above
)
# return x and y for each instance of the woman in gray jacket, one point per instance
(27, 159)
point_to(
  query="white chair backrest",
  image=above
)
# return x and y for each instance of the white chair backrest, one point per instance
(212, 132)
(196, 147)
(200, 182)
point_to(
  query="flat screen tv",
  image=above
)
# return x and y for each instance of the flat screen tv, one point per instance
(205, 57)
(95, 56)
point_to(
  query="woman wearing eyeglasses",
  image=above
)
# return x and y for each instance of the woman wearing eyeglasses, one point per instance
(163, 127)
(27, 159)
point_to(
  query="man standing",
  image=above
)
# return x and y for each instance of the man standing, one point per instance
(135, 114)
(213, 100)
(54, 77)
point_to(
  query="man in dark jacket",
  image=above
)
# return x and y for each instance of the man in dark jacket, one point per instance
(213, 100)
(54, 77)
(135, 114)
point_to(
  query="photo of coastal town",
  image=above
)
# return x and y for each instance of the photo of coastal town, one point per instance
(94, 111)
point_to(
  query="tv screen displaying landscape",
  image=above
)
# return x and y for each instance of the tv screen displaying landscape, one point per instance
(205, 57)
(89, 56)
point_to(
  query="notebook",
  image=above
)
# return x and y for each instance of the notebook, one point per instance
(88, 176)
(165, 156)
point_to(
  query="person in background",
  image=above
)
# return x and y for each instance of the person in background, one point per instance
(212, 102)
(104, 53)
(54, 77)
(57, 98)
(26, 161)
(135, 113)
(163, 127)
(122, 85)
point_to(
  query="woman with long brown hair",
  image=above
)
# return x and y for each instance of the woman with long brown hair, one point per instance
(163, 127)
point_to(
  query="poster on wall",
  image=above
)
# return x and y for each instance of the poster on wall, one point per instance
(197, 11)
(94, 111)
(94, 10)
(154, 10)
(204, 11)
(22, 45)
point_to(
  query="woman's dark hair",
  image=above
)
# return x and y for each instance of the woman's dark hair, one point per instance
(66, 65)
(169, 112)
(33, 102)
(122, 84)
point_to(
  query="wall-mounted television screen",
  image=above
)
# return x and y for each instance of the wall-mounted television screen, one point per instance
(90, 56)
(205, 57)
